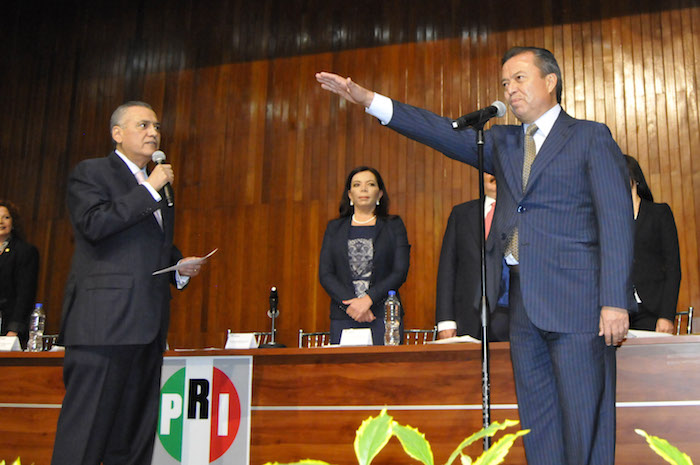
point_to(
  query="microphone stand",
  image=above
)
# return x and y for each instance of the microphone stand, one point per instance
(484, 305)
(273, 313)
(485, 369)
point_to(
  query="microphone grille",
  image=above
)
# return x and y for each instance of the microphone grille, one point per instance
(158, 156)
(501, 107)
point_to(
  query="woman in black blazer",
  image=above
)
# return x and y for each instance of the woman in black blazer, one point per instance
(365, 254)
(19, 266)
(656, 273)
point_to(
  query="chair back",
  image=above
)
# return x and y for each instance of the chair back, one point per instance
(262, 337)
(684, 319)
(314, 339)
(419, 336)
(48, 341)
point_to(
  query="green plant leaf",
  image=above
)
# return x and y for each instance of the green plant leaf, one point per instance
(414, 443)
(497, 453)
(371, 437)
(669, 453)
(490, 431)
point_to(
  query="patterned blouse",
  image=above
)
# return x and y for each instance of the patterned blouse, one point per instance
(360, 256)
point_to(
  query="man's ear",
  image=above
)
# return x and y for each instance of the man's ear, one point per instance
(117, 134)
(551, 82)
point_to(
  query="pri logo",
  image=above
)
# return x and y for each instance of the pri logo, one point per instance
(196, 412)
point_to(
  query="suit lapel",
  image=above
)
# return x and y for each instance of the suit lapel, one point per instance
(128, 180)
(122, 172)
(552, 146)
(512, 162)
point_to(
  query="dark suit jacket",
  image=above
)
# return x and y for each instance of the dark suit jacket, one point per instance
(575, 246)
(459, 273)
(657, 262)
(111, 296)
(19, 268)
(390, 264)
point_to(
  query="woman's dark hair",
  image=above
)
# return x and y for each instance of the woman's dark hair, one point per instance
(382, 209)
(17, 230)
(637, 177)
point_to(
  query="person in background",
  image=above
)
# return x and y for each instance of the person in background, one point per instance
(458, 300)
(19, 269)
(656, 273)
(365, 254)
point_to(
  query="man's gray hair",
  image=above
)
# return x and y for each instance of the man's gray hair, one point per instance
(118, 115)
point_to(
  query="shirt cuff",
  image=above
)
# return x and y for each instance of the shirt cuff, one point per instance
(181, 281)
(154, 193)
(445, 325)
(381, 108)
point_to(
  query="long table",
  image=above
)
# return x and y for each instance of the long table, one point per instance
(307, 403)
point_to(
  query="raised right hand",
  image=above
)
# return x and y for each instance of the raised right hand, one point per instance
(346, 88)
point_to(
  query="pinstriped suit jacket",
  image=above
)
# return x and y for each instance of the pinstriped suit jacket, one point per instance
(574, 220)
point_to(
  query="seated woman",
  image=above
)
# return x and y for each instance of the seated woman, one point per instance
(19, 266)
(656, 274)
(365, 254)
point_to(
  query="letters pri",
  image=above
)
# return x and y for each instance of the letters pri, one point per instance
(204, 413)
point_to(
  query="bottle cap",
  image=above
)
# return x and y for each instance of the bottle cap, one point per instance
(392, 293)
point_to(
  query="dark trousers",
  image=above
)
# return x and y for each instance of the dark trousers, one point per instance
(565, 384)
(499, 325)
(110, 411)
(643, 319)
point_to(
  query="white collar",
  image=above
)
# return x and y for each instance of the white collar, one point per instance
(546, 121)
(132, 166)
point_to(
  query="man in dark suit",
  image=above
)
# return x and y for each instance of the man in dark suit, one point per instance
(564, 224)
(458, 300)
(115, 312)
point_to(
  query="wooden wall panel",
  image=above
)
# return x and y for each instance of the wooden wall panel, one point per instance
(261, 153)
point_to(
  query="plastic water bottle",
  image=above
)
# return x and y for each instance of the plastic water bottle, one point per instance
(392, 320)
(37, 320)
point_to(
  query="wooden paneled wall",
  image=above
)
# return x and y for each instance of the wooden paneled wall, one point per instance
(261, 152)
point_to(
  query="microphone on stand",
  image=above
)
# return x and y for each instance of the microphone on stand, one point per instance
(273, 313)
(274, 299)
(158, 158)
(480, 117)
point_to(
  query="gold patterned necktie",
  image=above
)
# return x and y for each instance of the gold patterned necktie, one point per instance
(530, 153)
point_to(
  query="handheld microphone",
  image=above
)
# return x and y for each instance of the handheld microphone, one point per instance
(158, 158)
(273, 302)
(479, 117)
